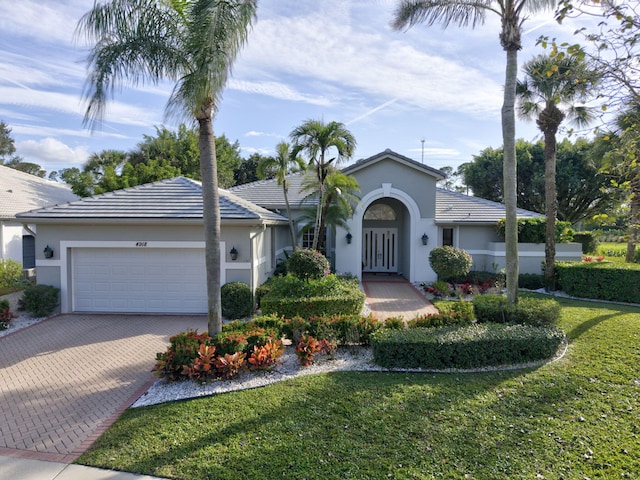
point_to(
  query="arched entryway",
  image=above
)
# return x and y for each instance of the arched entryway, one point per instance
(385, 233)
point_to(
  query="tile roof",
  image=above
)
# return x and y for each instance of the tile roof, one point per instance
(453, 207)
(173, 199)
(268, 194)
(21, 191)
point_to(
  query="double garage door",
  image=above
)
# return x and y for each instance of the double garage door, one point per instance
(139, 280)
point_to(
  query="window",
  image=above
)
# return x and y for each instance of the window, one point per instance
(307, 238)
(447, 237)
(380, 211)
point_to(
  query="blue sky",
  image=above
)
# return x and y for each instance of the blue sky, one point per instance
(322, 59)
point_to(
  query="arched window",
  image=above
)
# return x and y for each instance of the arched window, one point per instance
(380, 211)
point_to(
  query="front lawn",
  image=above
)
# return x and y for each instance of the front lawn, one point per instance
(575, 418)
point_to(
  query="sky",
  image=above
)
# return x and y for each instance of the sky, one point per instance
(428, 93)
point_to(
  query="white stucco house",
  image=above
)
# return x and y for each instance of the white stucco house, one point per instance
(21, 191)
(141, 249)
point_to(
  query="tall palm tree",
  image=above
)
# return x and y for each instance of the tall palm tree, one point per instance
(190, 42)
(338, 200)
(317, 139)
(282, 164)
(548, 94)
(512, 15)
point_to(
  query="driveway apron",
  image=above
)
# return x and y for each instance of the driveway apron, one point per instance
(67, 379)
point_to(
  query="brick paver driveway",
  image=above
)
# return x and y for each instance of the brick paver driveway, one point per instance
(65, 380)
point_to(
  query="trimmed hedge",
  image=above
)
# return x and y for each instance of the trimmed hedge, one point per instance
(602, 281)
(530, 281)
(533, 230)
(236, 300)
(528, 311)
(470, 347)
(40, 300)
(589, 241)
(347, 304)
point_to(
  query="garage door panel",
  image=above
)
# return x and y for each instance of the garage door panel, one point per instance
(139, 280)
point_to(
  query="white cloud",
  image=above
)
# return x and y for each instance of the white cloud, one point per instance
(50, 151)
(276, 90)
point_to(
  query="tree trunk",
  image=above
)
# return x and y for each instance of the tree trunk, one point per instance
(292, 230)
(211, 219)
(509, 173)
(551, 207)
(634, 221)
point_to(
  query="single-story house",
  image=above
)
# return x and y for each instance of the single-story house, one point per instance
(21, 191)
(141, 249)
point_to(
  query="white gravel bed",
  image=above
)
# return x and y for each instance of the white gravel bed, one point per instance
(23, 321)
(347, 358)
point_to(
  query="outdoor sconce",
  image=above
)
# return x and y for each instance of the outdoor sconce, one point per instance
(233, 253)
(425, 238)
(349, 237)
(48, 252)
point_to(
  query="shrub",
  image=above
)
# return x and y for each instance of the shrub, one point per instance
(394, 323)
(40, 300)
(266, 356)
(470, 347)
(230, 342)
(449, 306)
(10, 273)
(528, 311)
(6, 315)
(589, 241)
(308, 347)
(530, 281)
(533, 230)
(449, 262)
(236, 300)
(599, 280)
(291, 297)
(182, 351)
(440, 320)
(308, 264)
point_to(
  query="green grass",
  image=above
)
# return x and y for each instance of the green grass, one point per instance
(571, 419)
(613, 252)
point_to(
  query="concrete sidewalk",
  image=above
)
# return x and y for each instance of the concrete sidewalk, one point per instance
(25, 469)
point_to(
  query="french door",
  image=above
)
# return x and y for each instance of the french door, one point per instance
(380, 250)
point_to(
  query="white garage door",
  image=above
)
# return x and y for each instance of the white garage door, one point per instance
(139, 280)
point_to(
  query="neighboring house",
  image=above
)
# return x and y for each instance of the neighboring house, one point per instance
(21, 191)
(142, 249)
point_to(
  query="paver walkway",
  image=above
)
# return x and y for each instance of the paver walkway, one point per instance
(394, 296)
(65, 380)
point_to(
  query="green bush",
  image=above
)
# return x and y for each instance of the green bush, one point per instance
(618, 282)
(308, 264)
(528, 311)
(531, 281)
(452, 306)
(469, 347)
(290, 296)
(236, 300)
(394, 323)
(533, 230)
(343, 329)
(10, 273)
(449, 262)
(40, 300)
(589, 241)
(4, 304)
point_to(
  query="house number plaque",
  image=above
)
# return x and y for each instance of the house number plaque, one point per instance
(141, 244)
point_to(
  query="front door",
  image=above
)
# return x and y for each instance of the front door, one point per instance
(380, 250)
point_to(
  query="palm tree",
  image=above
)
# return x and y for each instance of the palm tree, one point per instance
(473, 12)
(548, 94)
(190, 42)
(317, 139)
(282, 164)
(337, 202)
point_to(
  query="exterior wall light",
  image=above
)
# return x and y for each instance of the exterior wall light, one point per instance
(349, 237)
(425, 239)
(233, 253)
(48, 252)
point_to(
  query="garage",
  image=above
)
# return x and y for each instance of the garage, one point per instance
(138, 280)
